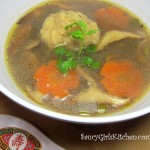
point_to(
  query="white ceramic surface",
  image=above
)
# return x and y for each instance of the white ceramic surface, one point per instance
(7, 121)
(10, 11)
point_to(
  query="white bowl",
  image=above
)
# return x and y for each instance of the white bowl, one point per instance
(10, 11)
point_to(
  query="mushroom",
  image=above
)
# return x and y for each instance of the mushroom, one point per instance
(113, 36)
(35, 95)
(32, 43)
(95, 94)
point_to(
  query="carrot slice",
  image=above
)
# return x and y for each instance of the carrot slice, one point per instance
(49, 80)
(111, 18)
(121, 78)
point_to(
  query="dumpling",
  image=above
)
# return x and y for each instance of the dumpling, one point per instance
(53, 31)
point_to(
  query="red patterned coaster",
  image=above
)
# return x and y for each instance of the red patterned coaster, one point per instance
(17, 139)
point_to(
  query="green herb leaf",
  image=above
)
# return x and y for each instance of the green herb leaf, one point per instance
(87, 60)
(80, 34)
(65, 65)
(72, 63)
(70, 54)
(60, 51)
(91, 48)
(79, 23)
(68, 59)
(90, 32)
(77, 34)
(90, 62)
(83, 25)
(62, 68)
(96, 65)
(70, 26)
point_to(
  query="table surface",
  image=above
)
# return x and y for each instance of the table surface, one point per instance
(68, 135)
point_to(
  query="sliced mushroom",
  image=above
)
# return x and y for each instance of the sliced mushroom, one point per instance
(90, 80)
(94, 94)
(35, 95)
(113, 36)
(32, 43)
(29, 59)
(30, 17)
(20, 35)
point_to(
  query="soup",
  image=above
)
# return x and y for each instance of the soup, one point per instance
(80, 58)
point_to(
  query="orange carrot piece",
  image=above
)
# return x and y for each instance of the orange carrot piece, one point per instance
(111, 18)
(121, 78)
(49, 80)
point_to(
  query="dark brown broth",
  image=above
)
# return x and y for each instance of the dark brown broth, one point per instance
(22, 63)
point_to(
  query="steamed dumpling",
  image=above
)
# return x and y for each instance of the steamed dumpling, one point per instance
(53, 32)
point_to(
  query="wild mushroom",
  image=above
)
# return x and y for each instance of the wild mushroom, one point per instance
(95, 94)
(113, 36)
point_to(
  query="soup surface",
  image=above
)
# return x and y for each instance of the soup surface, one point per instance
(80, 58)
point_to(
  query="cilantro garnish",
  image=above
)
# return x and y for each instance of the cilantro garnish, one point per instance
(80, 33)
(67, 59)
